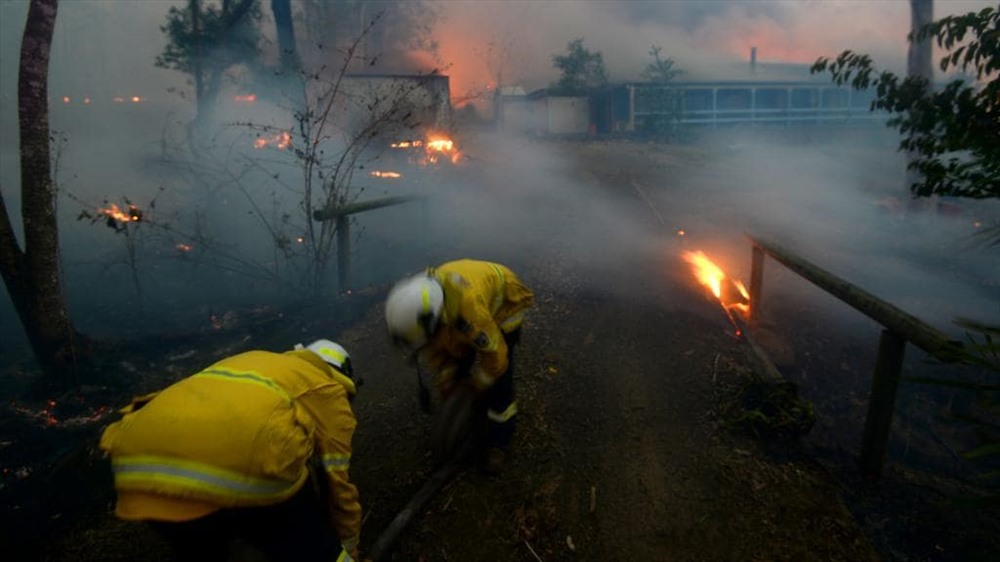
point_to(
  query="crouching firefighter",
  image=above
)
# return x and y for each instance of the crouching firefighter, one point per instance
(254, 447)
(462, 320)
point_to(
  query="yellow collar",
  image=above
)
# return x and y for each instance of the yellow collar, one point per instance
(336, 375)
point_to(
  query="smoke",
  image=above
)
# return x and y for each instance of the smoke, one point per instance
(512, 197)
(705, 38)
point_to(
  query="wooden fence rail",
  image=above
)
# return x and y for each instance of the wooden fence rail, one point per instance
(342, 213)
(899, 327)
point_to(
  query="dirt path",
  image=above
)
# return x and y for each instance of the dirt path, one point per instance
(617, 455)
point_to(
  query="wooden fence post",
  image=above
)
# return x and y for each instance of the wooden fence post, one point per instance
(343, 252)
(881, 402)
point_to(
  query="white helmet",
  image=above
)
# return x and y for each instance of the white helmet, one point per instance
(332, 353)
(412, 310)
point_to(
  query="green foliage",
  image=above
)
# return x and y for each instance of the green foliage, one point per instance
(582, 71)
(661, 102)
(661, 70)
(211, 40)
(953, 132)
(980, 350)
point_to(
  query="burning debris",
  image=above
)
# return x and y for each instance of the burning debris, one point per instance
(434, 149)
(730, 293)
(280, 140)
(117, 214)
(113, 216)
(386, 175)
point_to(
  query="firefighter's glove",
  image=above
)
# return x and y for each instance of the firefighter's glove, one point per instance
(445, 382)
(481, 381)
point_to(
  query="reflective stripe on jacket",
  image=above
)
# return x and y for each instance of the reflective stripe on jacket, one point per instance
(482, 301)
(237, 434)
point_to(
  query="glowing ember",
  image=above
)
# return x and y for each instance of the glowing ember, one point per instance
(380, 174)
(135, 99)
(118, 99)
(66, 99)
(86, 101)
(281, 141)
(731, 294)
(245, 98)
(183, 247)
(134, 214)
(46, 415)
(407, 144)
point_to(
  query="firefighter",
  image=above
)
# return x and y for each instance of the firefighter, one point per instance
(254, 447)
(462, 319)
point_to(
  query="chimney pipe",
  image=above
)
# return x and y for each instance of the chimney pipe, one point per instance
(753, 60)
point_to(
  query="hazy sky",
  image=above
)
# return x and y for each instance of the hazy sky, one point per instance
(111, 44)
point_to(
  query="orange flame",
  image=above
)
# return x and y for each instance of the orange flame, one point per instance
(440, 146)
(183, 247)
(731, 294)
(134, 214)
(436, 147)
(245, 98)
(381, 174)
(281, 141)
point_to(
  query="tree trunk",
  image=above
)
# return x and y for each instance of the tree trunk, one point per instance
(199, 90)
(919, 63)
(32, 275)
(282, 10)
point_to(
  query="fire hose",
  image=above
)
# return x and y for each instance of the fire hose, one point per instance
(453, 439)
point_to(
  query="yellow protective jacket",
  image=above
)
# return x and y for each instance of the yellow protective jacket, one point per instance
(482, 301)
(240, 433)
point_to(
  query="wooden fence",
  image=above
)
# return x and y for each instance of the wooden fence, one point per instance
(342, 213)
(899, 327)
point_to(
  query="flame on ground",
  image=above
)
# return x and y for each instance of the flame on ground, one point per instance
(407, 144)
(381, 174)
(437, 148)
(730, 293)
(281, 141)
(245, 98)
(133, 214)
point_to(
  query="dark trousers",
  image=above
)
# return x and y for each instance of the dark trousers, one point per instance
(500, 398)
(294, 530)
